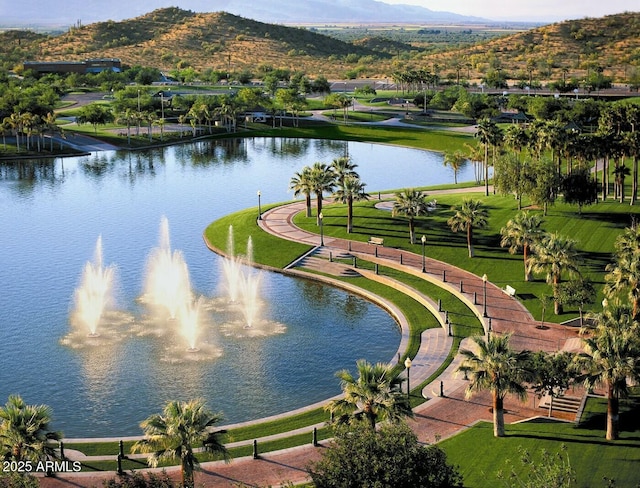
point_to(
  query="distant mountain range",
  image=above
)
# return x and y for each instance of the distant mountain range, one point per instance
(68, 12)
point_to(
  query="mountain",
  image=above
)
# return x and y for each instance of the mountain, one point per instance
(275, 11)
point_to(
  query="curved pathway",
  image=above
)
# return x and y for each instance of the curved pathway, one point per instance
(447, 411)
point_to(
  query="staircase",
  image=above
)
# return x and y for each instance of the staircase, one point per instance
(562, 404)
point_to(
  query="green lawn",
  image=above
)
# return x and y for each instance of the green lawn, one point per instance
(481, 456)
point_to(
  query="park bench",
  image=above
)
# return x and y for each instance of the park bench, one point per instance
(509, 290)
(378, 241)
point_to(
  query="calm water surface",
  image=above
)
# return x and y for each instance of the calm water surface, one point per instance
(51, 214)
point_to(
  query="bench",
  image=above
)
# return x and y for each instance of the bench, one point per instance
(509, 290)
(378, 241)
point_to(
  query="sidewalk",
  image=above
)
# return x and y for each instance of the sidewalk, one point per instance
(447, 411)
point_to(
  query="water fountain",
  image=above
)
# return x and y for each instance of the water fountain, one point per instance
(189, 320)
(231, 269)
(94, 295)
(167, 282)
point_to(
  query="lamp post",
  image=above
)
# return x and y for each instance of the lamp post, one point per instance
(424, 242)
(320, 217)
(407, 364)
(484, 287)
(259, 207)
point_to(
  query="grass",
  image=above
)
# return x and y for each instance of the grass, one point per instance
(481, 456)
(595, 232)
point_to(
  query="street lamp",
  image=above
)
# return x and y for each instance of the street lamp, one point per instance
(407, 364)
(259, 207)
(424, 242)
(484, 286)
(320, 217)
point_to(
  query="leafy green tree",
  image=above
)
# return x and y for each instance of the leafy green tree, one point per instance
(175, 433)
(351, 190)
(521, 232)
(554, 373)
(302, 184)
(455, 160)
(579, 292)
(495, 367)
(18, 480)
(579, 188)
(24, 431)
(612, 358)
(95, 114)
(322, 180)
(373, 396)
(467, 217)
(135, 479)
(513, 175)
(623, 275)
(553, 255)
(391, 457)
(410, 203)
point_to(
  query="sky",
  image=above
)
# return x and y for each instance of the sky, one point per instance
(528, 10)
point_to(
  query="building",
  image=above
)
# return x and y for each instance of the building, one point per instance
(86, 66)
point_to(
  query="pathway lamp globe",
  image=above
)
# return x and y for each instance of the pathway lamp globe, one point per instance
(259, 206)
(424, 242)
(320, 219)
(407, 364)
(484, 287)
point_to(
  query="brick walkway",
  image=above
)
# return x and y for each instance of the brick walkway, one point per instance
(441, 416)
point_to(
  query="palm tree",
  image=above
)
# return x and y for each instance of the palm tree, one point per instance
(522, 232)
(175, 432)
(455, 160)
(301, 184)
(374, 395)
(624, 273)
(499, 369)
(554, 254)
(322, 180)
(24, 431)
(351, 190)
(343, 167)
(468, 216)
(489, 134)
(612, 356)
(410, 203)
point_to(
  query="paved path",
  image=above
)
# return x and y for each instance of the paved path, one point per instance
(447, 411)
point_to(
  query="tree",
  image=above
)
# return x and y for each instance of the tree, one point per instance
(351, 190)
(554, 254)
(468, 216)
(389, 458)
(455, 160)
(374, 395)
(24, 431)
(579, 292)
(513, 175)
(551, 471)
(489, 134)
(174, 434)
(410, 203)
(301, 183)
(554, 374)
(624, 273)
(522, 232)
(499, 369)
(322, 180)
(95, 115)
(612, 357)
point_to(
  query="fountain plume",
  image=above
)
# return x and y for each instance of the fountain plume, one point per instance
(94, 294)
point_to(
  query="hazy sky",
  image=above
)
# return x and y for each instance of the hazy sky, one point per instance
(533, 10)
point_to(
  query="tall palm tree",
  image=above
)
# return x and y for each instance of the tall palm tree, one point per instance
(624, 273)
(322, 180)
(351, 190)
(499, 369)
(612, 357)
(521, 232)
(489, 135)
(24, 431)
(410, 203)
(301, 183)
(455, 160)
(374, 395)
(468, 216)
(554, 254)
(175, 432)
(343, 167)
